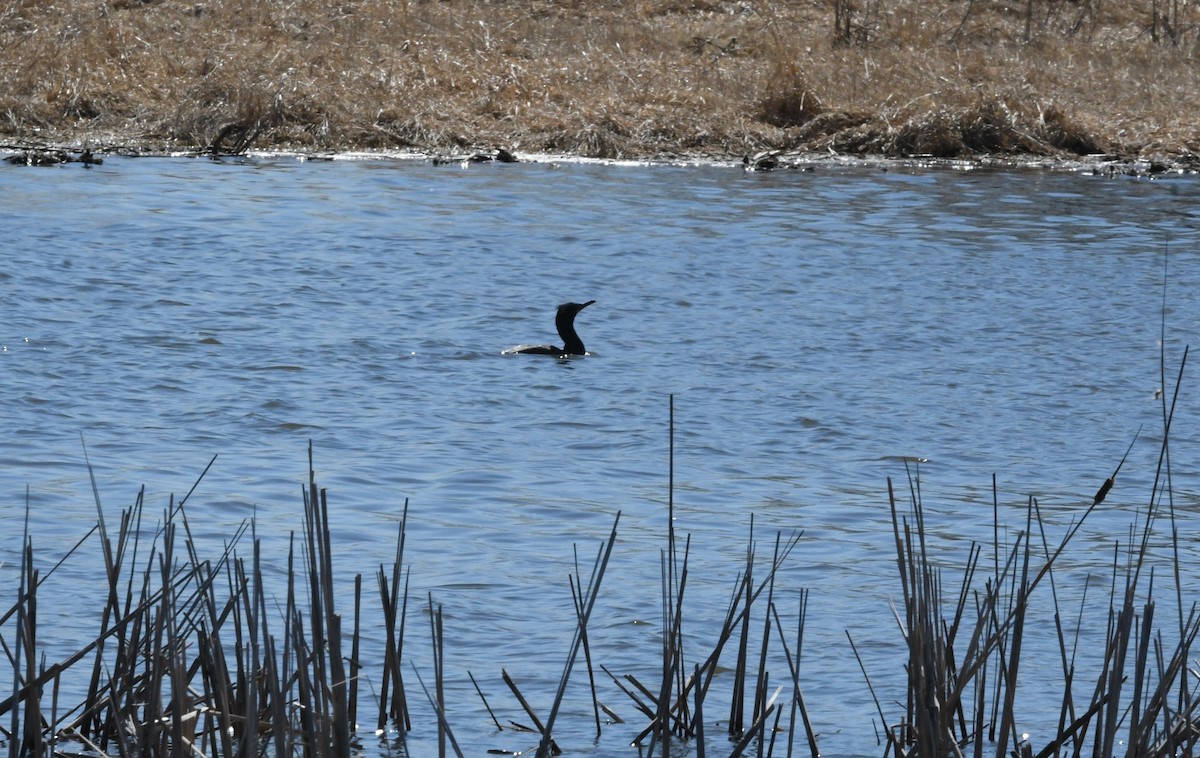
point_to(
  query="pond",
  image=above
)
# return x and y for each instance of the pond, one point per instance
(816, 333)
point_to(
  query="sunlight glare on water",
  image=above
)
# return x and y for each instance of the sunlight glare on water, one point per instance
(818, 330)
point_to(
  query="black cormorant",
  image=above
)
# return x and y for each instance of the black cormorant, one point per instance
(564, 320)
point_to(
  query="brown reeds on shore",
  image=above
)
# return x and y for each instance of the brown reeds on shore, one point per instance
(696, 78)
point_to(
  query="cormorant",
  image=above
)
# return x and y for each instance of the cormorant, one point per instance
(564, 321)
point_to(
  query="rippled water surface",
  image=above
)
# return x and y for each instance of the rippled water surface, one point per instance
(817, 330)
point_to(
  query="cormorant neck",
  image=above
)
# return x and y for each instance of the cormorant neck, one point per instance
(565, 322)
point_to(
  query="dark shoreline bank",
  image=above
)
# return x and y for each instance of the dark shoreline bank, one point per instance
(88, 152)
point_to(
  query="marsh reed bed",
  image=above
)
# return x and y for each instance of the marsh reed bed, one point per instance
(965, 637)
(194, 655)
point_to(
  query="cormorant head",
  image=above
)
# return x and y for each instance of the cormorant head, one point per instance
(572, 308)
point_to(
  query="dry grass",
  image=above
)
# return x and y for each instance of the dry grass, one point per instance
(606, 79)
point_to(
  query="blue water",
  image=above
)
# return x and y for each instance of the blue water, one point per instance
(818, 330)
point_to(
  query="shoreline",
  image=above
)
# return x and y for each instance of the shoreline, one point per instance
(89, 152)
(988, 84)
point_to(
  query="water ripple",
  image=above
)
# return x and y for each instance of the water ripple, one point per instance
(818, 333)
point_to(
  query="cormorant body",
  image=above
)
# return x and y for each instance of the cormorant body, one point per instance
(564, 321)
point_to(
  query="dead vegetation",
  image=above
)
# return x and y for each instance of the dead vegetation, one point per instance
(219, 656)
(954, 78)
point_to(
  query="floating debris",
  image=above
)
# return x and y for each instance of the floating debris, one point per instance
(46, 156)
(234, 139)
(769, 160)
(765, 161)
(497, 155)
